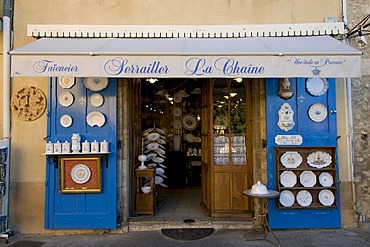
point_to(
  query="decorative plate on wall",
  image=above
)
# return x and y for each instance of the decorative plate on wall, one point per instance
(288, 179)
(286, 198)
(317, 86)
(291, 159)
(95, 118)
(307, 179)
(319, 159)
(317, 112)
(326, 179)
(304, 198)
(96, 100)
(66, 82)
(66, 99)
(96, 83)
(80, 173)
(189, 122)
(66, 121)
(326, 197)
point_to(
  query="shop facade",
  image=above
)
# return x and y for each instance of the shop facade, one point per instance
(287, 99)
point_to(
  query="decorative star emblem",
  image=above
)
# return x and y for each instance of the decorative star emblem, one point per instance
(316, 72)
(301, 98)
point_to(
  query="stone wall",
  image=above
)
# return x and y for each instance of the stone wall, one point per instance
(357, 10)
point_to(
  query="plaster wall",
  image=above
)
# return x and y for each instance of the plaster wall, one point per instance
(357, 10)
(27, 164)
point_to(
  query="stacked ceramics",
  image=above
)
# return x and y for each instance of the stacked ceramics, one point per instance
(154, 149)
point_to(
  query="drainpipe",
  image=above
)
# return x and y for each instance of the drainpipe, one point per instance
(351, 169)
(7, 16)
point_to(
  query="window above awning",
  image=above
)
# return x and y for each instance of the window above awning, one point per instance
(258, 57)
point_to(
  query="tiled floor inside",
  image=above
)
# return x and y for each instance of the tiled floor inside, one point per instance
(182, 203)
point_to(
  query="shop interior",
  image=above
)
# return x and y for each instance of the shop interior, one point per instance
(174, 106)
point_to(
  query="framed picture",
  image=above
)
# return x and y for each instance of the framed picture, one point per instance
(80, 174)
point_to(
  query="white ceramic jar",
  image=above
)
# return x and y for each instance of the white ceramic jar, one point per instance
(94, 146)
(86, 147)
(104, 147)
(66, 147)
(76, 143)
(57, 147)
(49, 149)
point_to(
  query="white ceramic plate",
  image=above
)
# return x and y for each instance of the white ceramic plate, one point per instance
(189, 122)
(319, 159)
(177, 112)
(80, 174)
(161, 165)
(159, 171)
(286, 198)
(288, 179)
(151, 155)
(304, 198)
(161, 132)
(326, 197)
(307, 179)
(189, 138)
(198, 139)
(152, 146)
(326, 179)
(317, 86)
(291, 159)
(95, 118)
(317, 112)
(154, 165)
(66, 121)
(177, 124)
(66, 99)
(96, 83)
(158, 159)
(153, 136)
(161, 141)
(66, 82)
(96, 100)
(158, 179)
(160, 151)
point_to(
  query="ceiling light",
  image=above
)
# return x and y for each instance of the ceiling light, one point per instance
(152, 80)
(238, 80)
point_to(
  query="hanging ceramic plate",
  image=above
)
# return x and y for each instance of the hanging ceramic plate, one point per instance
(160, 151)
(66, 121)
(161, 132)
(161, 141)
(198, 139)
(307, 179)
(152, 146)
(159, 171)
(291, 159)
(66, 99)
(158, 160)
(161, 165)
(317, 86)
(66, 82)
(96, 83)
(317, 112)
(95, 118)
(189, 122)
(326, 179)
(326, 197)
(304, 198)
(288, 179)
(177, 112)
(153, 136)
(80, 174)
(286, 198)
(189, 138)
(162, 185)
(158, 179)
(147, 131)
(151, 155)
(153, 165)
(177, 124)
(96, 100)
(319, 159)
(177, 99)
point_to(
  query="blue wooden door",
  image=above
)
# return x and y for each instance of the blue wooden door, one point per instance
(319, 134)
(82, 210)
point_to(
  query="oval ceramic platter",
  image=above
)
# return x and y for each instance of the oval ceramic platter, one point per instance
(291, 159)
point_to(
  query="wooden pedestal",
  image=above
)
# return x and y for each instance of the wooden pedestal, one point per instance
(145, 202)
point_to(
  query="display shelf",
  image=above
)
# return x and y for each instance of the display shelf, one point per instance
(55, 157)
(327, 166)
(145, 201)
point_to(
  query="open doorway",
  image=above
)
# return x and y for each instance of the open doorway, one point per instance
(174, 106)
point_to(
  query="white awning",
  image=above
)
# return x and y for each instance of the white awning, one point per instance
(259, 57)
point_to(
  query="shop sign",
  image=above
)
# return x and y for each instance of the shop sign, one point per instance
(145, 66)
(288, 139)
